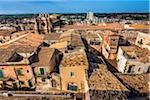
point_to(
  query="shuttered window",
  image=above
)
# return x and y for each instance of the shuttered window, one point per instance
(72, 87)
(42, 71)
(19, 72)
(1, 74)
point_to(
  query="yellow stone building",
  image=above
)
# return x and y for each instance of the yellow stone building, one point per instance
(73, 72)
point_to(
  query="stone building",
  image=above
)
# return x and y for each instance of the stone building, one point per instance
(46, 69)
(94, 42)
(15, 71)
(69, 41)
(43, 24)
(110, 46)
(16, 56)
(133, 59)
(73, 69)
(143, 40)
(5, 35)
(90, 16)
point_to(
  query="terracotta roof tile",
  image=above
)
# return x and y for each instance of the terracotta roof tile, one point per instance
(139, 82)
(45, 55)
(6, 54)
(76, 58)
(102, 79)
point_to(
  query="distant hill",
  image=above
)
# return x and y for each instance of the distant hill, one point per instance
(18, 16)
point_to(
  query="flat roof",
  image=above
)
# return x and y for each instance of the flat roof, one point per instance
(141, 54)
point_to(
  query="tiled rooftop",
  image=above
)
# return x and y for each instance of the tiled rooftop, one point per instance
(60, 45)
(52, 36)
(25, 39)
(72, 38)
(5, 32)
(102, 80)
(139, 82)
(5, 55)
(45, 55)
(93, 27)
(76, 58)
(22, 48)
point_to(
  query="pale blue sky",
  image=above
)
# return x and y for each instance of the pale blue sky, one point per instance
(72, 6)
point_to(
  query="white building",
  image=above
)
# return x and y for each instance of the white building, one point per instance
(90, 16)
(133, 59)
(143, 40)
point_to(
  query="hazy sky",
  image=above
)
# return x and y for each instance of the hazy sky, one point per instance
(72, 6)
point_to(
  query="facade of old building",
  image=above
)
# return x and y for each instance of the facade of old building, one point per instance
(73, 72)
(133, 59)
(46, 69)
(17, 77)
(110, 46)
(15, 72)
(94, 42)
(143, 40)
(16, 56)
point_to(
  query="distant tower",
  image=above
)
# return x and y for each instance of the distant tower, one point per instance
(90, 16)
(43, 24)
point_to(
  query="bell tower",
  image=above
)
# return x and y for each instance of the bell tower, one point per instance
(43, 24)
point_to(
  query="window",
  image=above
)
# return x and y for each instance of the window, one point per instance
(1, 74)
(19, 72)
(139, 69)
(140, 41)
(43, 80)
(27, 71)
(14, 85)
(72, 74)
(107, 50)
(130, 68)
(21, 82)
(53, 83)
(117, 60)
(30, 83)
(124, 53)
(42, 71)
(148, 71)
(72, 87)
